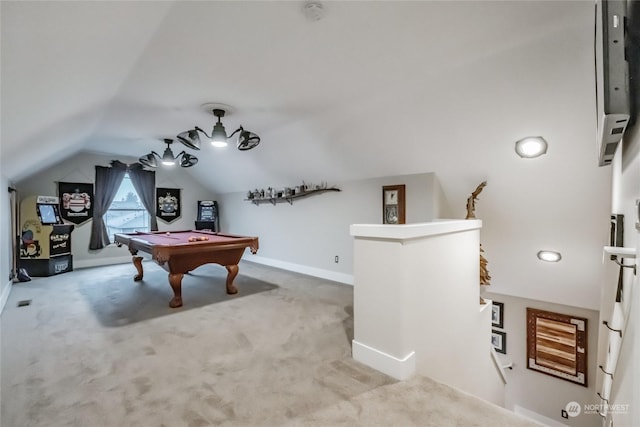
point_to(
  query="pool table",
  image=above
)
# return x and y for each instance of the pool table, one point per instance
(179, 252)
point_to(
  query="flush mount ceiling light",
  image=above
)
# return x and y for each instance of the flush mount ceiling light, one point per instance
(549, 256)
(531, 147)
(244, 140)
(153, 159)
(313, 10)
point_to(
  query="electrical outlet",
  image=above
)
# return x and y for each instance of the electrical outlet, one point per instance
(337, 259)
(564, 414)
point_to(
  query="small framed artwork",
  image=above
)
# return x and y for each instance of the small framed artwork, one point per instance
(499, 341)
(497, 314)
(393, 204)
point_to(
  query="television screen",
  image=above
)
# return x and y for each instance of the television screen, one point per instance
(632, 46)
(207, 210)
(206, 213)
(48, 214)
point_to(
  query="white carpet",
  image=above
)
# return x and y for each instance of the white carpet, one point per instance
(96, 349)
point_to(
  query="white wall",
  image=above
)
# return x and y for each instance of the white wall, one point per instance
(309, 234)
(535, 391)
(626, 190)
(81, 168)
(417, 305)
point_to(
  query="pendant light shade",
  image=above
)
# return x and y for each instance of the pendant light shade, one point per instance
(190, 138)
(167, 157)
(246, 140)
(219, 134)
(149, 160)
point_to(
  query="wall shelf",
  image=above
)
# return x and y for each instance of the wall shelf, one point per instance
(289, 199)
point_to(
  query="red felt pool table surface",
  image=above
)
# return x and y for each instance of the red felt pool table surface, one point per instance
(175, 253)
(179, 237)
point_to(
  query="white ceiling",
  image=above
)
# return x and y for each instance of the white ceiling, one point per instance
(375, 88)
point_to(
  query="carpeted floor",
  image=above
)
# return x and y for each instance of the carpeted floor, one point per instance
(96, 349)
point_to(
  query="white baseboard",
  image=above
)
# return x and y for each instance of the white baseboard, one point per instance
(99, 262)
(304, 269)
(534, 416)
(400, 369)
(298, 268)
(6, 290)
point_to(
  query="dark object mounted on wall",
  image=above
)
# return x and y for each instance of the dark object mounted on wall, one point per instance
(497, 314)
(76, 202)
(612, 76)
(168, 202)
(393, 204)
(499, 341)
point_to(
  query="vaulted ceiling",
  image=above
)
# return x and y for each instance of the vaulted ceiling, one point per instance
(373, 89)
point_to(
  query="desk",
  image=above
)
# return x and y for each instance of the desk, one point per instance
(176, 254)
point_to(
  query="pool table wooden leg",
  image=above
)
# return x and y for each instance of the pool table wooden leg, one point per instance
(137, 263)
(233, 272)
(175, 280)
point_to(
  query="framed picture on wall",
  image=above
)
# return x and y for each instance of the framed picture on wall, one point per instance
(497, 314)
(557, 345)
(393, 204)
(499, 341)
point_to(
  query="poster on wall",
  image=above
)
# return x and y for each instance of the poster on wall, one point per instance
(168, 204)
(76, 202)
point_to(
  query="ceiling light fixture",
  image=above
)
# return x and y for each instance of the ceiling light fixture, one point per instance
(245, 140)
(549, 256)
(153, 159)
(531, 147)
(313, 10)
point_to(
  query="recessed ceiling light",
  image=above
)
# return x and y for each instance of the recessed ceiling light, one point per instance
(549, 256)
(531, 147)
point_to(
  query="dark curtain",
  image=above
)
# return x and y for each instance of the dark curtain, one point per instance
(108, 180)
(145, 184)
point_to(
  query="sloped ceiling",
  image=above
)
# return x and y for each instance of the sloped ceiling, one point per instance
(373, 89)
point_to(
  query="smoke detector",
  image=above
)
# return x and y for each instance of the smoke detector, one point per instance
(313, 10)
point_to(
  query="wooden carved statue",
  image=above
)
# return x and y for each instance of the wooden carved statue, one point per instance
(484, 272)
(471, 201)
(471, 207)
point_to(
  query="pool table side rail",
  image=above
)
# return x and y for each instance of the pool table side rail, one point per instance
(133, 242)
(212, 233)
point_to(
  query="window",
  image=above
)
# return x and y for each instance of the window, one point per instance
(126, 213)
